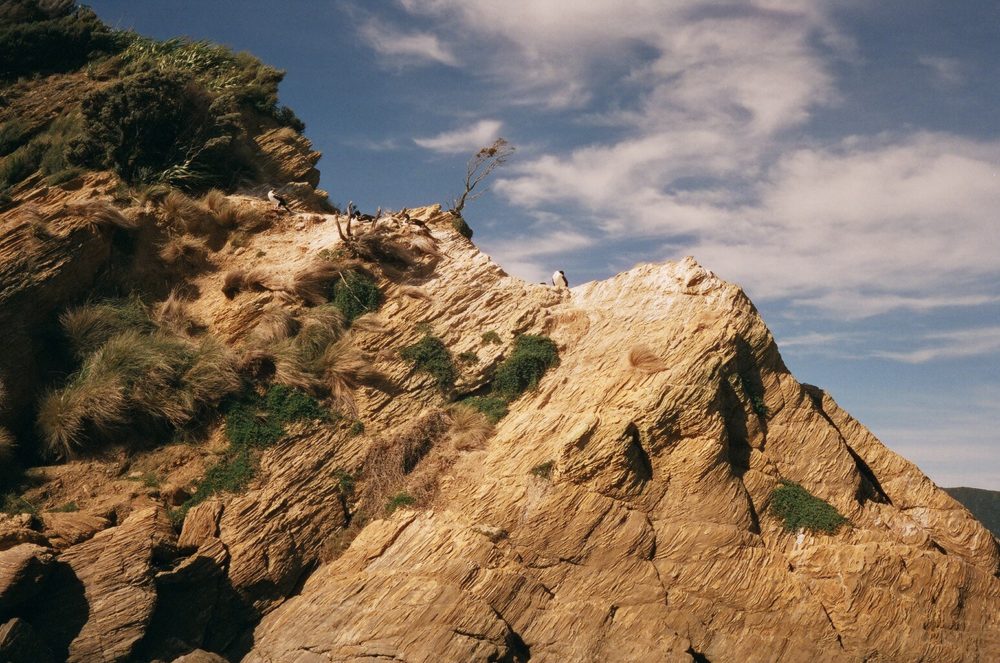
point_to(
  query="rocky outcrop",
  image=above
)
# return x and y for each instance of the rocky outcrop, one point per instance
(97, 605)
(289, 156)
(620, 511)
(22, 570)
(652, 537)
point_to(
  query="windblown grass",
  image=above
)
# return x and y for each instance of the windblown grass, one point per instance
(89, 327)
(643, 360)
(131, 371)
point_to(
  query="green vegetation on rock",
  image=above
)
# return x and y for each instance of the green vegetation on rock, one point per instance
(521, 371)
(355, 294)
(430, 355)
(800, 509)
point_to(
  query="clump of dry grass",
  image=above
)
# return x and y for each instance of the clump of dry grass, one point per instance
(312, 283)
(226, 213)
(239, 280)
(62, 413)
(174, 313)
(273, 325)
(211, 374)
(188, 215)
(184, 251)
(643, 360)
(132, 371)
(90, 326)
(390, 460)
(344, 369)
(469, 428)
(102, 214)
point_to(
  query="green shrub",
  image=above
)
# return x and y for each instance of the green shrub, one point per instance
(357, 428)
(429, 355)
(13, 504)
(461, 227)
(468, 357)
(21, 163)
(397, 501)
(37, 40)
(238, 81)
(160, 126)
(232, 473)
(68, 507)
(355, 295)
(531, 357)
(252, 423)
(798, 508)
(755, 397)
(494, 407)
(543, 470)
(255, 421)
(492, 338)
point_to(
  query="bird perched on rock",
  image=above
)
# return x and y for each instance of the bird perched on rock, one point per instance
(278, 201)
(559, 279)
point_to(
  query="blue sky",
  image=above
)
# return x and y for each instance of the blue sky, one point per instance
(839, 159)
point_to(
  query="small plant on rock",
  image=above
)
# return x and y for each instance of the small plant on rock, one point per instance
(800, 509)
(430, 355)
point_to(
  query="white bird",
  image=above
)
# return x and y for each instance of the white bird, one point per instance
(559, 279)
(278, 201)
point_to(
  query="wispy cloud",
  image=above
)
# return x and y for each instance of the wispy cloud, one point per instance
(947, 72)
(706, 100)
(951, 345)
(406, 48)
(464, 139)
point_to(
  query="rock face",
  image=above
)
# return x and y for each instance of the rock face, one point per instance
(651, 538)
(619, 512)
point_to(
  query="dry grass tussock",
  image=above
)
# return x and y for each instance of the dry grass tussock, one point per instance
(174, 313)
(239, 280)
(90, 326)
(643, 360)
(390, 459)
(102, 214)
(344, 369)
(274, 324)
(136, 375)
(226, 214)
(184, 251)
(188, 215)
(312, 283)
(395, 244)
(469, 427)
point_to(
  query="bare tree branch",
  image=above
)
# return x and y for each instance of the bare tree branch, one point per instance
(484, 162)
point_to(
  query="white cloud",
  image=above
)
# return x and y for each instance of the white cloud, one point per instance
(465, 139)
(953, 344)
(406, 48)
(705, 100)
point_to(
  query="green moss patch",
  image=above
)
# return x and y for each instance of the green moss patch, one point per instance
(355, 295)
(430, 355)
(521, 371)
(800, 509)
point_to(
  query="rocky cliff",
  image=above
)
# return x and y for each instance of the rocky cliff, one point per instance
(619, 511)
(233, 432)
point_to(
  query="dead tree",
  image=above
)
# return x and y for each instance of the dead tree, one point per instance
(484, 162)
